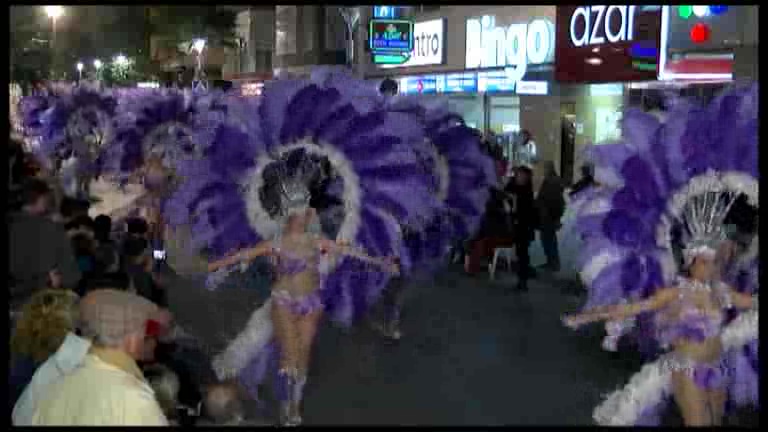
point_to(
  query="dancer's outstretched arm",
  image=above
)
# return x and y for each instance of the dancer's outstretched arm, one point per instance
(343, 248)
(261, 249)
(623, 311)
(740, 300)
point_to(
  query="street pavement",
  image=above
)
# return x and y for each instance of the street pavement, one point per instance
(473, 353)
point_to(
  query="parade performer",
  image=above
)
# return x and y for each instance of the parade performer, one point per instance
(682, 175)
(463, 175)
(76, 124)
(224, 200)
(154, 130)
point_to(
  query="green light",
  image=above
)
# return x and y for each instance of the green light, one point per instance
(685, 11)
(389, 59)
(650, 67)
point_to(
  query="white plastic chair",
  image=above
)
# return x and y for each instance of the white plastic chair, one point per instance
(506, 253)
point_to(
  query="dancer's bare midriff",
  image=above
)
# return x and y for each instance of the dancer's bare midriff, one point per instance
(305, 282)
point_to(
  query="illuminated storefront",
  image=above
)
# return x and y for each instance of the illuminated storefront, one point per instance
(493, 65)
(601, 50)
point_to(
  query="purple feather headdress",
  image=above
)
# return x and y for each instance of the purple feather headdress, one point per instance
(169, 124)
(463, 177)
(648, 179)
(336, 117)
(78, 121)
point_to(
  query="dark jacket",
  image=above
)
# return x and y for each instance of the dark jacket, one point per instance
(524, 215)
(550, 202)
(20, 374)
(496, 222)
(38, 245)
(582, 184)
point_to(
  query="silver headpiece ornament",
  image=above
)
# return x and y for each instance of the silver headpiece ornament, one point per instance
(704, 220)
(294, 188)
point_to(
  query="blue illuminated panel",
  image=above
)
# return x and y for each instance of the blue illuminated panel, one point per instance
(385, 12)
(461, 83)
(391, 35)
(494, 81)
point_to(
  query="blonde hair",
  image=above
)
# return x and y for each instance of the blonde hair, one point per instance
(44, 323)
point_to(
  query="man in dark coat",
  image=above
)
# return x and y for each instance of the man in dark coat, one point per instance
(550, 204)
(520, 189)
(38, 246)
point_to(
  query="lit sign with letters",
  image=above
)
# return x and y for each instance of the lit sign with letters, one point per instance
(591, 25)
(391, 41)
(512, 47)
(385, 12)
(607, 43)
(470, 82)
(428, 44)
(391, 35)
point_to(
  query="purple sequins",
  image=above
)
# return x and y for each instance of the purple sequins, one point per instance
(299, 306)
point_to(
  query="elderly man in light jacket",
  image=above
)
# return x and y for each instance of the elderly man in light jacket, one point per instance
(108, 389)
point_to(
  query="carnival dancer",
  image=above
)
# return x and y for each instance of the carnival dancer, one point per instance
(222, 199)
(77, 126)
(684, 173)
(296, 302)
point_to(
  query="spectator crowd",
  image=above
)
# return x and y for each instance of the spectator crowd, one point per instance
(530, 198)
(93, 342)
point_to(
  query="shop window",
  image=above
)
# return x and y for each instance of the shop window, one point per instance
(505, 121)
(607, 124)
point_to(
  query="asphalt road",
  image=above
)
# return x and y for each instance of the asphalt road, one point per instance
(473, 353)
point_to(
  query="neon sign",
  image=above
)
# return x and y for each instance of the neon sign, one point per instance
(391, 41)
(513, 47)
(597, 25)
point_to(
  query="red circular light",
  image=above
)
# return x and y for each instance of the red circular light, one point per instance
(700, 33)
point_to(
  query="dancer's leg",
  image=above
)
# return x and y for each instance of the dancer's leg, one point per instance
(286, 334)
(692, 401)
(307, 330)
(717, 399)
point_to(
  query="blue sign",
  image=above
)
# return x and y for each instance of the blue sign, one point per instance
(385, 12)
(424, 84)
(495, 81)
(461, 83)
(388, 36)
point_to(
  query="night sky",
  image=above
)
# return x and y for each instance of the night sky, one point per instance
(86, 32)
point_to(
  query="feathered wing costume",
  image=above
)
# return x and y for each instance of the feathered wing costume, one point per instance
(77, 123)
(647, 180)
(463, 175)
(381, 183)
(169, 126)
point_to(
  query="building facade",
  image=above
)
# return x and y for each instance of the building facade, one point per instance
(307, 36)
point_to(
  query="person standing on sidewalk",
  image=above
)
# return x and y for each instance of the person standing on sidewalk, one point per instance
(550, 205)
(524, 216)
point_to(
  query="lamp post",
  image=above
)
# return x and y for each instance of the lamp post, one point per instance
(98, 64)
(198, 46)
(80, 67)
(54, 13)
(351, 17)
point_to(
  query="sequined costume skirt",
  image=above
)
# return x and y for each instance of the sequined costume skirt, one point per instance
(298, 305)
(706, 375)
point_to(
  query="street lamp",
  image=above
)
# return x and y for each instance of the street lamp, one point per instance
(198, 46)
(54, 13)
(121, 60)
(351, 17)
(98, 64)
(80, 67)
